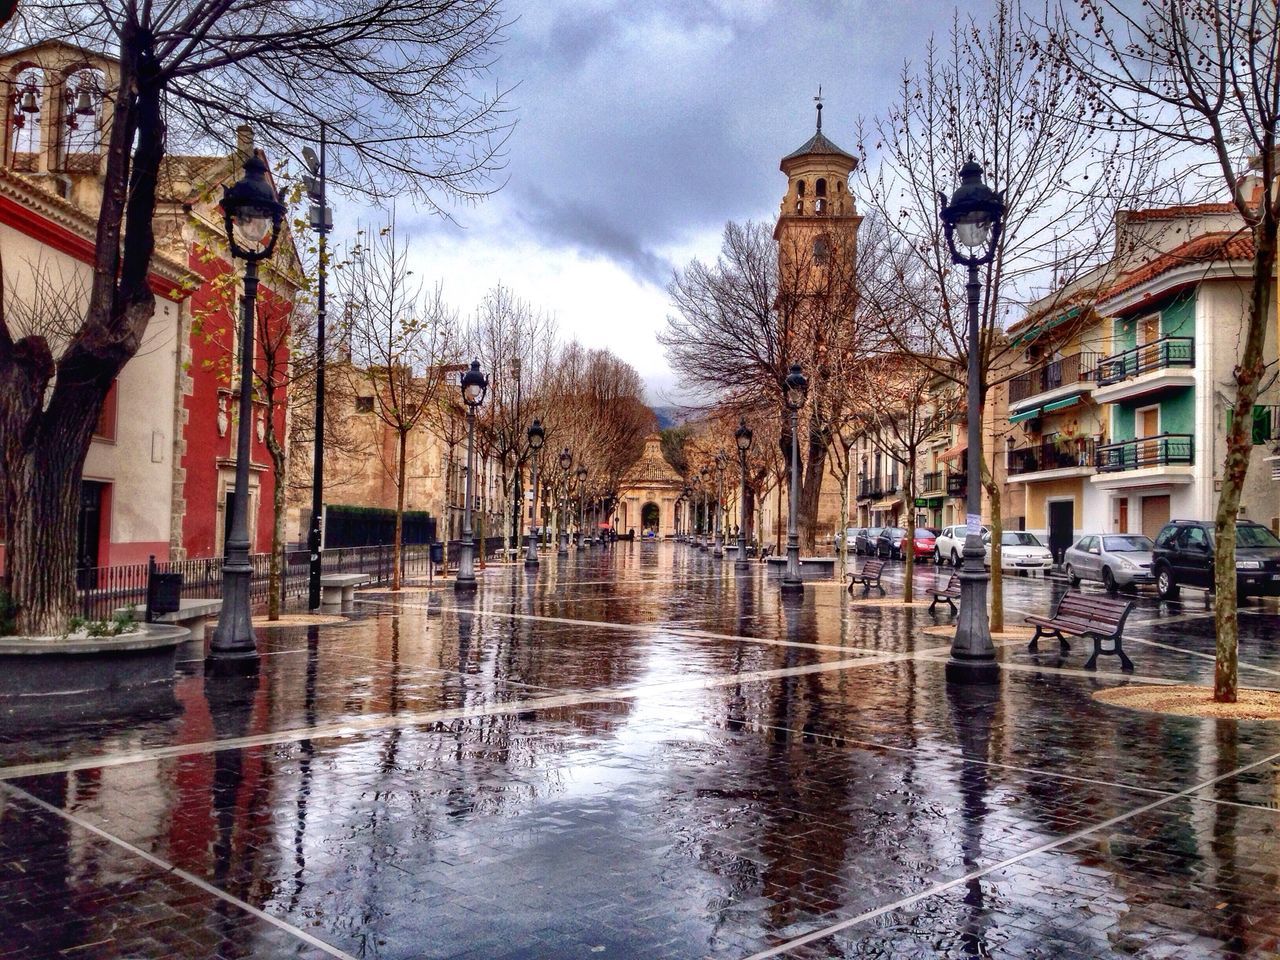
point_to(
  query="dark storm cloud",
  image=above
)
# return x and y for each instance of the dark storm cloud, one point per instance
(644, 124)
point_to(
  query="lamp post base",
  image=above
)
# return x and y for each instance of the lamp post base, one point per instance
(233, 638)
(982, 672)
(792, 586)
(531, 563)
(463, 584)
(742, 566)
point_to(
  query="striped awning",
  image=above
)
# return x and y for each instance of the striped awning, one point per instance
(886, 504)
(955, 451)
(1070, 401)
(1025, 415)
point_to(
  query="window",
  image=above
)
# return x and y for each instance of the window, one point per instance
(820, 188)
(105, 428)
(364, 404)
(25, 122)
(799, 188)
(1195, 539)
(1131, 544)
(821, 251)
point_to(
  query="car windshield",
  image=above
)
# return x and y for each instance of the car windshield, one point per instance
(1255, 535)
(874, 531)
(924, 533)
(1018, 538)
(1133, 544)
(894, 531)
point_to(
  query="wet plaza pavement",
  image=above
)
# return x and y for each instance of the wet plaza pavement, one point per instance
(640, 753)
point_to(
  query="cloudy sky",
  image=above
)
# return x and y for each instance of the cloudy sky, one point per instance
(642, 127)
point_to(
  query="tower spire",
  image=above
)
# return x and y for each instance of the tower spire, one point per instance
(818, 101)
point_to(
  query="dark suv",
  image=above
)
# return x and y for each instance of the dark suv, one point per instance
(1183, 556)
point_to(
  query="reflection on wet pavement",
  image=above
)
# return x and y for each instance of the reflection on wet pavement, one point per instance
(638, 754)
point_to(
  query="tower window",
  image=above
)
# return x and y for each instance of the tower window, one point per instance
(26, 118)
(799, 188)
(821, 187)
(821, 251)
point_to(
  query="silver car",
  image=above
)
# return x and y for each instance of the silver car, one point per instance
(1115, 559)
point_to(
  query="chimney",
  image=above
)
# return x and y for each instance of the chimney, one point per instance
(244, 141)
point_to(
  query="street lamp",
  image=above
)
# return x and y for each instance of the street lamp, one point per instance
(252, 214)
(566, 464)
(321, 218)
(687, 494)
(718, 552)
(474, 387)
(973, 217)
(536, 437)
(582, 505)
(795, 389)
(743, 437)
(704, 485)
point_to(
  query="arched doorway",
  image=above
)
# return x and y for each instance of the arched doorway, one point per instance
(649, 517)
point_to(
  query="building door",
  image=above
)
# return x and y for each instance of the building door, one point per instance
(1155, 514)
(1149, 426)
(1148, 337)
(88, 534)
(1062, 523)
(1122, 515)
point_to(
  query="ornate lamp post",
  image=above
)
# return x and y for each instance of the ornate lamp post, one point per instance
(973, 217)
(252, 214)
(566, 464)
(474, 387)
(796, 389)
(582, 504)
(743, 436)
(704, 488)
(536, 436)
(718, 552)
(687, 495)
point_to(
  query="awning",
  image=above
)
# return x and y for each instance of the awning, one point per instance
(1025, 415)
(955, 451)
(886, 504)
(1070, 401)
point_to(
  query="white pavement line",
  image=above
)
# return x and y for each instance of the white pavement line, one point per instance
(1205, 656)
(640, 628)
(179, 872)
(375, 723)
(1007, 862)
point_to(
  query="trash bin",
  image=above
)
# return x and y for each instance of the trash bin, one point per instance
(437, 553)
(164, 594)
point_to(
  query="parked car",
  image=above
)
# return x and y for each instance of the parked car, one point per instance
(1021, 552)
(949, 544)
(889, 543)
(865, 545)
(850, 534)
(1183, 556)
(1115, 559)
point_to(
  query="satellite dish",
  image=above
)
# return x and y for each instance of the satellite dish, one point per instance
(311, 160)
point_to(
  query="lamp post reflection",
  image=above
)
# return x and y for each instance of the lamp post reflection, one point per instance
(973, 712)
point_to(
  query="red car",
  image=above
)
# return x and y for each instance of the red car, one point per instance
(892, 541)
(924, 543)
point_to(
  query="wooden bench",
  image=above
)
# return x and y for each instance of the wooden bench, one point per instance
(1084, 615)
(339, 588)
(948, 594)
(868, 576)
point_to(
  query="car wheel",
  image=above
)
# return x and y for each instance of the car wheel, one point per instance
(955, 557)
(1071, 577)
(1109, 581)
(1165, 586)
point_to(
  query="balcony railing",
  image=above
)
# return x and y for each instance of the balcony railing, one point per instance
(931, 483)
(957, 485)
(1160, 354)
(1167, 449)
(870, 488)
(1052, 455)
(891, 485)
(1077, 368)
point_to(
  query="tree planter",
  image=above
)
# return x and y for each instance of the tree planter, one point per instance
(84, 674)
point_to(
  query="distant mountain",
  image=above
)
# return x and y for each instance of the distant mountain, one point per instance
(668, 417)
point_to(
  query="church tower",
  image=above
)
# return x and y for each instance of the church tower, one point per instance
(818, 222)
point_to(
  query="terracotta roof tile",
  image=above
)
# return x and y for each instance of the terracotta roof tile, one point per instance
(1203, 249)
(1184, 210)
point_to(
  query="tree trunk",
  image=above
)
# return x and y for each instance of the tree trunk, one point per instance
(275, 586)
(844, 517)
(399, 536)
(777, 523)
(909, 541)
(997, 529)
(1248, 375)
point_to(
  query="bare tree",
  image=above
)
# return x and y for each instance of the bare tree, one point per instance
(987, 93)
(402, 338)
(1201, 80)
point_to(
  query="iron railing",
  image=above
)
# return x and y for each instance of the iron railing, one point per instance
(1052, 454)
(870, 488)
(932, 483)
(957, 485)
(1167, 449)
(103, 590)
(1157, 355)
(1076, 368)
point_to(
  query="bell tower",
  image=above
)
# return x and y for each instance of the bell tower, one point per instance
(818, 220)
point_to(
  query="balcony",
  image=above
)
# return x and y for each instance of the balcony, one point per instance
(870, 488)
(1163, 459)
(1159, 365)
(957, 485)
(1070, 374)
(1052, 459)
(932, 484)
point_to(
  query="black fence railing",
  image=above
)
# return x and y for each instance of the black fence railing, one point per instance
(1076, 368)
(103, 590)
(957, 485)
(1157, 355)
(932, 483)
(1167, 449)
(870, 488)
(1052, 454)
